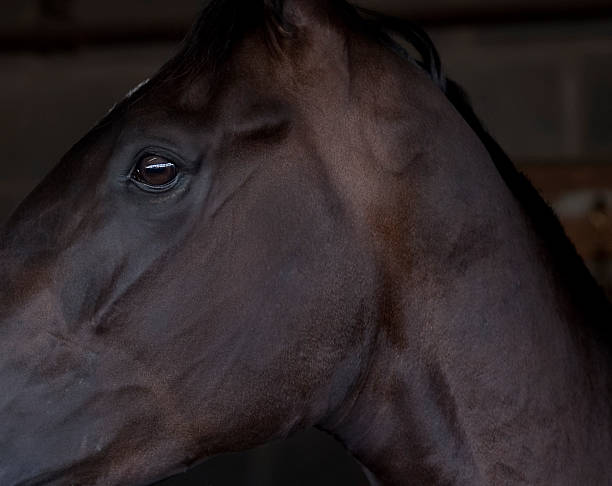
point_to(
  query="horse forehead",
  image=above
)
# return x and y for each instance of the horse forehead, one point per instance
(252, 70)
(195, 94)
(200, 94)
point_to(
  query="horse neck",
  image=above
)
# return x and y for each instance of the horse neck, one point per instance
(489, 365)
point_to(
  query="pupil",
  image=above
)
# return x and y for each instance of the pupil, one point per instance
(157, 172)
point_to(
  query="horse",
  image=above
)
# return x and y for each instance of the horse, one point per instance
(298, 221)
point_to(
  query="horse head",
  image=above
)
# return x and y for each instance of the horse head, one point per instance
(196, 275)
(288, 225)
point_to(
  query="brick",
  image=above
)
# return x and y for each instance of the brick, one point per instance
(598, 94)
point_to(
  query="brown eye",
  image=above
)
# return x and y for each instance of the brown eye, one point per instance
(155, 171)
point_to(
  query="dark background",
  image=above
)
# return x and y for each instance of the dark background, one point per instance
(539, 73)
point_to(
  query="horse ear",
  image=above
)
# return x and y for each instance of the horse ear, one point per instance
(299, 23)
(296, 15)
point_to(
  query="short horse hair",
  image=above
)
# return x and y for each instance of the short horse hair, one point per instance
(223, 23)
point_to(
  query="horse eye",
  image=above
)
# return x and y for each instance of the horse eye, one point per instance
(154, 171)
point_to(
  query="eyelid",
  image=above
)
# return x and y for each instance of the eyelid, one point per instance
(164, 153)
(164, 188)
(148, 188)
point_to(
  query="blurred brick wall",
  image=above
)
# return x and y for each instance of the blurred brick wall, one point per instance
(545, 90)
(26, 15)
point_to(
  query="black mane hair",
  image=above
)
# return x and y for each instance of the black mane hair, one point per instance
(223, 22)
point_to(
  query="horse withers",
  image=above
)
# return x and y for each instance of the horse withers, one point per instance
(294, 223)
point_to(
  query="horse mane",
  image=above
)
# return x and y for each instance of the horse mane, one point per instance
(223, 22)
